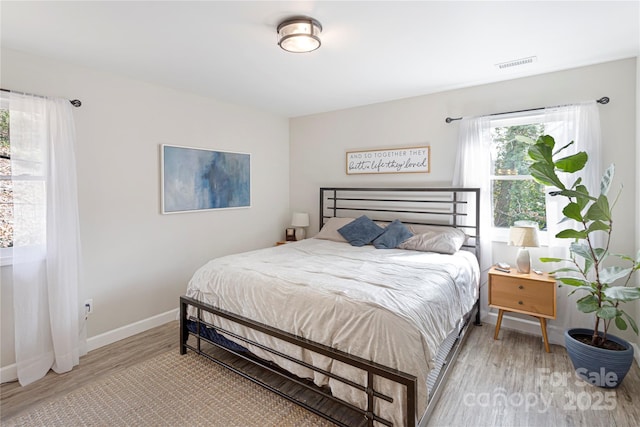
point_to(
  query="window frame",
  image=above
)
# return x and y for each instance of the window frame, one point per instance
(500, 234)
(6, 254)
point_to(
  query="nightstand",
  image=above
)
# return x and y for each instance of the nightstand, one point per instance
(531, 294)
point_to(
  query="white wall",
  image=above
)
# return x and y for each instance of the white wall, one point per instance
(319, 142)
(136, 261)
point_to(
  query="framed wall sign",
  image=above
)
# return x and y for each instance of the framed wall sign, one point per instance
(394, 160)
(196, 179)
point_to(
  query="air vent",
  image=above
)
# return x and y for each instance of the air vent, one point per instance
(517, 62)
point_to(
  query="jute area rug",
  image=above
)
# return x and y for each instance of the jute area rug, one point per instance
(170, 390)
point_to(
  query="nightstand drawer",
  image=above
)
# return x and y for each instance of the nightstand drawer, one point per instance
(522, 295)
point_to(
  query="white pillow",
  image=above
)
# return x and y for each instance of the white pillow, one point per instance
(444, 240)
(330, 228)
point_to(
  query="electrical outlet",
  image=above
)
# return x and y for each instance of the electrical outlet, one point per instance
(88, 306)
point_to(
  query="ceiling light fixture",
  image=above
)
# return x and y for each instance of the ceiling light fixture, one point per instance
(299, 34)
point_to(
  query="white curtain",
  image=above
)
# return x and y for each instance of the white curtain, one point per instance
(579, 123)
(472, 169)
(46, 250)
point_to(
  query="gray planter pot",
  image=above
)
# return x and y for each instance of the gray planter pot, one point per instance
(598, 366)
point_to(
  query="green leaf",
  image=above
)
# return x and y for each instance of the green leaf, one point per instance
(548, 259)
(601, 253)
(549, 141)
(572, 163)
(582, 288)
(598, 226)
(607, 312)
(611, 274)
(573, 281)
(621, 293)
(588, 263)
(545, 174)
(565, 269)
(588, 304)
(632, 322)
(599, 210)
(572, 234)
(620, 323)
(583, 196)
(628, 258)
(525, 139)
(607, 178)
(540, 153)
(581, 249)
(572, 210)
(578, 193)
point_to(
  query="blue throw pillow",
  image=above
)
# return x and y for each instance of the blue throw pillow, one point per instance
(393, 235)
(361, 231)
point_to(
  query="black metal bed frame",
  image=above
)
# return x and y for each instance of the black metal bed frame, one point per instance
(442, 207)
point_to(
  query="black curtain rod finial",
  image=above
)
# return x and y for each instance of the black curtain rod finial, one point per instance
(74, 102)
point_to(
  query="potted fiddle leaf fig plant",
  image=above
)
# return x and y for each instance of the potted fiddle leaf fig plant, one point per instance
(598, 356)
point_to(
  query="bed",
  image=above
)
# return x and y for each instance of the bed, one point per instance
(369, 329)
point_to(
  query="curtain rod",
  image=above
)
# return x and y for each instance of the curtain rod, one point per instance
(603, 100)
(74, 102)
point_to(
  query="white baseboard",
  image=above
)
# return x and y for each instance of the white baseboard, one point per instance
(10, 373)
(129, 330)
(530, 327)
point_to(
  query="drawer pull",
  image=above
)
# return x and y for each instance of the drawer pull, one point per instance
(520, 302)
(520, 287)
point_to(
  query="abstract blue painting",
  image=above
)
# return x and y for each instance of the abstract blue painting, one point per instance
(196, 179)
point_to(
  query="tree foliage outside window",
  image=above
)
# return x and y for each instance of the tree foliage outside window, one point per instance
(516, 196)
(6, 195)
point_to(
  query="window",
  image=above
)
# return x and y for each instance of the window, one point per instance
(515, 195)
(6, 194)
(22, 186)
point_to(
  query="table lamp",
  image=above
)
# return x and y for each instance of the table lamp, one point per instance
(300, 220)
(525, 237)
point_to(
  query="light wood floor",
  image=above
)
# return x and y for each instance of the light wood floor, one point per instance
(509, 382)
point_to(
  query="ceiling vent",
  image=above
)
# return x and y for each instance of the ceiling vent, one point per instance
(517, 62)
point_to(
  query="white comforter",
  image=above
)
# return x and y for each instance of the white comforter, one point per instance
(391, 306)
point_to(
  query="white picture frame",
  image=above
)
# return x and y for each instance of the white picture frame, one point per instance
(392, 160)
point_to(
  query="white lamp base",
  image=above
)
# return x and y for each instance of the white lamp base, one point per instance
(523, 261)
(300, 233)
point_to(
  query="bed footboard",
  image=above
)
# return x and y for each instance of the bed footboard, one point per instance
(365, 416)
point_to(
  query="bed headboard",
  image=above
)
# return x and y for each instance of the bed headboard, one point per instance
(441, 206)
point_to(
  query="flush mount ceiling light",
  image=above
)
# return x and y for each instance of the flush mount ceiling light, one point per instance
(299, 34)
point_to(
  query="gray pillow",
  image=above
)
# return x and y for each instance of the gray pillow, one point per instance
(444, 240)
(330, 228)
(361, 231)
(393, 235)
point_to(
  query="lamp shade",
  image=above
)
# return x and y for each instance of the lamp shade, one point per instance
(525, 237)
(300, 219)
(299, 35)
